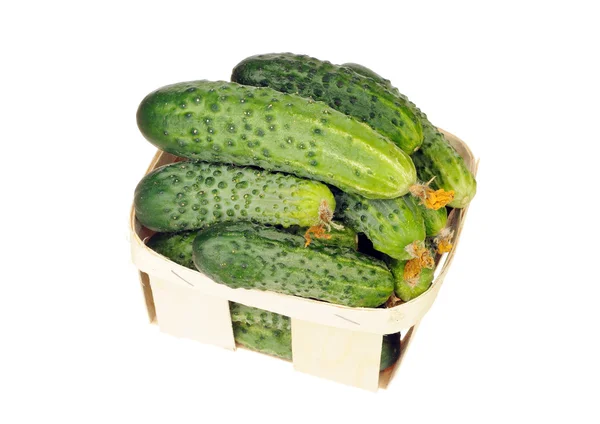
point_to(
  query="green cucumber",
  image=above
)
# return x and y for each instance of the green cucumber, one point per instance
(231, 123)
(435, 220)
(402, 288)
(192, 195)
(339, 87)
(245, 255)
(390, 224)
(436, 157)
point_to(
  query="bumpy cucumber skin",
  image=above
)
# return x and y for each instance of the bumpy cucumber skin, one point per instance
(244, 255)
(436, 157)
(230, 123)
(345, 237)
(339, 87)
(435, 220)
(188, 195)
(402, 289)
(390, 224)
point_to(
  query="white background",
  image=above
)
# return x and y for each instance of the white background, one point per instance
(512, 336)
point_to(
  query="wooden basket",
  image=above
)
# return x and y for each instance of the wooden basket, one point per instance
(336, 342)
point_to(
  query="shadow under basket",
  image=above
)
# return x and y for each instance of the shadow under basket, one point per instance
(335, 342)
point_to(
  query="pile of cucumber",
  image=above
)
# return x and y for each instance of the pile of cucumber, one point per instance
(300, 177)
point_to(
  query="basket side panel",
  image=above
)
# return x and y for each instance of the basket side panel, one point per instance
(345, 356)
(185, 312)
(148, 298)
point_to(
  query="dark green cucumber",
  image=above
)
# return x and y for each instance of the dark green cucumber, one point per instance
(193, 195)
(390, 224)
(340, 237)
(436, 157)
(435, 220)
(245, 255)
(339, 87)
(231, 123)
(404, 290)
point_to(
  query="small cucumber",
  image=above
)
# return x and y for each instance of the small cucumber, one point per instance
(436, 157)
(339, 87)
(245, 255)
(403, 289)
(435, 220)
(241, 125)
(390, 224)
(187, 195)
(390, 350)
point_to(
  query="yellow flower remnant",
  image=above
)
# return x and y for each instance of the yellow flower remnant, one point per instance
(421, 258)
(444, 241)
(432, 199)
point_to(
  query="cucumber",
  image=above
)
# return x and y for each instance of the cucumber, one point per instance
(436, 157)
(245, 255)
(435, 220)
(187, 195)
(390, 224)
(340, 87)
(230, 123)
(403, 289)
